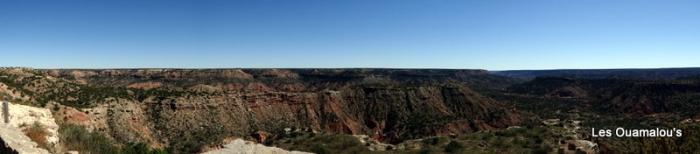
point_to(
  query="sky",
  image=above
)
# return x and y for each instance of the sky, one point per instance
(460, 34)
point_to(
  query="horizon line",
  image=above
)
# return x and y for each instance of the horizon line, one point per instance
(399, 68)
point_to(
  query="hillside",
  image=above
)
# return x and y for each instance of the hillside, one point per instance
(646, 74)
(190, 110)
(619, 95)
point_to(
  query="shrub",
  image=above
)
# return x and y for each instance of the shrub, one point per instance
(542, 149)
(79, 139)
(140, 148)
(572, 146)
(453, 147)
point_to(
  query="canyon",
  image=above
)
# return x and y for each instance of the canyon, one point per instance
(349, 110)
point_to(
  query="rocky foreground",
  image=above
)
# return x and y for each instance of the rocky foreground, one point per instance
(17, 120)
(15, 138)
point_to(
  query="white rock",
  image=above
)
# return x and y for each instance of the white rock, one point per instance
(239, 146)
(15, 139)
(22, 115)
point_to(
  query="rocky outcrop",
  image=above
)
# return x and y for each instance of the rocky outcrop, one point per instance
(239, 146)
(19, 117)
(144, 85)
(22, 117)
(15, 139)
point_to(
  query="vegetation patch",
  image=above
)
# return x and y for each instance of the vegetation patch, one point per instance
(515, 140)
(80, 139)
(320, 143)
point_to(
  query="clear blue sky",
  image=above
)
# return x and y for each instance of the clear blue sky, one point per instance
(485, 34)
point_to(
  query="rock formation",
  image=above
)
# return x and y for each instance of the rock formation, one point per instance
(194, 108)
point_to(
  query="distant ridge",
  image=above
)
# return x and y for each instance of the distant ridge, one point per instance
(641, 73)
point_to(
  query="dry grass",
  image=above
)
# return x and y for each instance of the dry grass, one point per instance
(37, 133)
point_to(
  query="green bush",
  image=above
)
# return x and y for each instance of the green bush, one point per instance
(140, 148)
(453, 147)
(79, 139)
